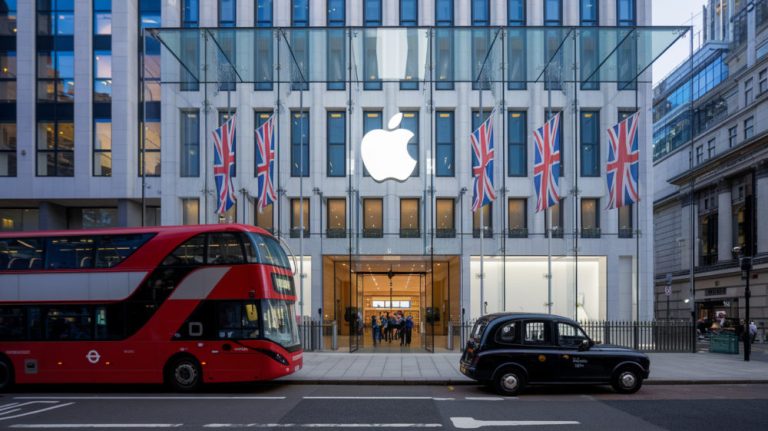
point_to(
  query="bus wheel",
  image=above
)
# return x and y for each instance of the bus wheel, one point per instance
(185, 374)
(6, 374)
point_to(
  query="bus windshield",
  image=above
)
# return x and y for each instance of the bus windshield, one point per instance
(268, 251)
(280, 322)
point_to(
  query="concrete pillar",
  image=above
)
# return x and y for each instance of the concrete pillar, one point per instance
(52, 217)
(724, 222)
(128, 213)
(687, 243)
(761, 206)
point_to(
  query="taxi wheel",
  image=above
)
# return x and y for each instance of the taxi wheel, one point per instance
(626, 381)
(184, 374)
(509, 381)
(6, 374)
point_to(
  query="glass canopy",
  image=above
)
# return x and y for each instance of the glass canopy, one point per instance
(424, 54)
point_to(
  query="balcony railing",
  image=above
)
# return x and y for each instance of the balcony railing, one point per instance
(590, 232)
(445, 233)
(410, 233)
(373, 233)
(625, 232)
(336, 233)
(296, 232)
(520, 232)
(476, 233)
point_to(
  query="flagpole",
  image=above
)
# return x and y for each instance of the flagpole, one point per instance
(482, 221)
(548, 211)
(229, 118)
(205, 126)
(301, 200)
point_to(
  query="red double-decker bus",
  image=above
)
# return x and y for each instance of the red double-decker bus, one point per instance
(184, 305)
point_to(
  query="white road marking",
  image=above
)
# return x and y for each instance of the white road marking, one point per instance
(484, 398)
(373, 425)
(367, 398)
(148, 398)
(444, 399)
(8, 406)
(56, 406)
(472, 423)
(70, 426)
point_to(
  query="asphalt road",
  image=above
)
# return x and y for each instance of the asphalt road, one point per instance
(350, 407)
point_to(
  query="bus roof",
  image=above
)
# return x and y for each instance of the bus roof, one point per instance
(191, 229)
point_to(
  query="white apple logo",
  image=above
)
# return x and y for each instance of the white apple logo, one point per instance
(385, 152)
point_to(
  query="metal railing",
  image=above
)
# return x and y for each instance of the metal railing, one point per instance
(316, 335)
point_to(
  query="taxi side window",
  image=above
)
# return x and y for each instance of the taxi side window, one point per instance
(537, 333)
(508, 333)
(569, 335)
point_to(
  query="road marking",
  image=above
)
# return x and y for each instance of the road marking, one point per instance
(484, 398)
(374, 425)
(148, 398)
(472, 423)
(70, 426)
(56, 406)
(367, 398)
(8, 406)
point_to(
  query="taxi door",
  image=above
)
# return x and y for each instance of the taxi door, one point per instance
(574, 365)
(539, 352)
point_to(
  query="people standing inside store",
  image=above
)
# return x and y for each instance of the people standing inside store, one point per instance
(375, 330)
(408, 329)
(385, 328)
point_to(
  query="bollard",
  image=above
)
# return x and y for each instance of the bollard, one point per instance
(334, 337)
(319, 333)
(449, 343)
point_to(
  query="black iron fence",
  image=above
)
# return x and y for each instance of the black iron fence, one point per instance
(316, 335)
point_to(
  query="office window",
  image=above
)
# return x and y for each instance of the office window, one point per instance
(516, 13)
(102, 88)
(190, 45)
(409, 18)
(102, 147)
(553, 12)
(443, 59)
(372, 120)
(556, 225)
(590, 218)
(481, 13)
(337, 218)
(7, 149)
(590, 143)
(625, 221)
(371, 61)
(300, 13)
(589, 13)
(337, 144)
(300, 45)
(411, 122)
(299, 217)
(748, 93)
(749, 126)
(517, 213)
(409, 218)
(699, 154)
(190, 13)
(149, 151)
(227, 13)
(517, 147)
(732, 136)
(55, 149)
(262, 45)
(265, 218)
(373, 218)
(445, 144)
(553, 17)
(487, 216)
(516, 43)
(263, 13)
(336, 52)
(625, 12)
(336, 13)
(445, 218)
(763, 78)
(300, 144)
(409, 13)
(560, 133)
(190, 211)
(589, 39)
(189, 161)
(372, 13)
(444, 13)
(627, 52)
(8, 18)
(711, 148)
(55, 17)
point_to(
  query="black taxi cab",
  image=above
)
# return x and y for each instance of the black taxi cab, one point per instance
(509, 351)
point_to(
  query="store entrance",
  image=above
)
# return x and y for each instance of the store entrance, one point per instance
(412, 298)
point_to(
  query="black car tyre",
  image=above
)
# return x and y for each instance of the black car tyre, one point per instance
(626, 381)
(184, 374)
(6, 374)
(509, 381)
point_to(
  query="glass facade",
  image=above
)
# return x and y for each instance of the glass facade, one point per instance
(102, 88)
(373, 218)
(300, 144)
(410, 220)
(8, 88)
(517, 147)
(337, 144)
(590, 218)
(149, 67)
(336, 218)
(299, 217)
(445, 144)
(445, 218)
(189, 159)
(517, 223)
(589, 128)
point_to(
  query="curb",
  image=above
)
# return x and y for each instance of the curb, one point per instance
(472, 382)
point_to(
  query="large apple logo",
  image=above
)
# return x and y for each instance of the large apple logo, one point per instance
(385, 152)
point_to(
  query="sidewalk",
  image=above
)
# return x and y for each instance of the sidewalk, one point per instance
(443, 369)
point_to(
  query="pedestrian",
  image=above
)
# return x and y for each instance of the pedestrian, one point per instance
(752, 331)
(408, 329)
(741, 329)
(375, 329)
(385, 328)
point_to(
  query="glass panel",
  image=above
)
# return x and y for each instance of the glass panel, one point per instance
(373, 218)
(190, 211)
(337, 218)
(445, 218)
(409, 218)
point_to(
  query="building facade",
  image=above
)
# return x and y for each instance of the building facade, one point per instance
(101, 135)
(710, 137)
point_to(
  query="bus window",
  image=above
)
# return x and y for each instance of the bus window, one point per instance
(238, 320)
(11, 323)
(191, 252)
(68, 323)
(224, 249)
(113, 249)
(18, 254)
(108, 321)
(269, 251)
(280, 322)
(69, 253)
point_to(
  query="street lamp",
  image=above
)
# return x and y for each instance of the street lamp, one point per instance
(745, 263)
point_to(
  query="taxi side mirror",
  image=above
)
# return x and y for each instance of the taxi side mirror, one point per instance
(585, 344)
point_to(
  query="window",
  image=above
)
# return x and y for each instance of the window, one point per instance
(749, 124)
(487, 226)
(300, 44)
(372, 13)
(102, 88)
(265, 218)
(227, 13)
(537, 333)
(590, 143)
(625, 12)
(444, 13)
(8, 19)
(589, 38)
(516, 13)
(8, 149)
(625, 221)
(409, 18)
(102, 147)
(517, 212)
(409, 218)
(263, 39)
(560, 133)
(372, 120)
(627, 53)
(763, 81)
(55, 149)
(411, 122)
(336, 41)
(299, 217)
(699, 154)
(261, 117)
(711, 148)
(445, 144)
(443, 45)
(190, 211)
(69, 253)
(19, 219)
(373, 218)
(55, 17)
(748, 93)
(68, 322)
(556, 219)
(149, 151)
(589, 12)
(553, 12)
(19, 254)
(224, 248)
(517, 153)
(508, 334)
(570, 336)
(263, 12)
(189, 165)
(409, 13)
(732, 136)
(590, 218)
(337, 218)
(300, 144)
(300, 13)
(516, 42)
(190, 13)
(481, 13)
(337, 144)
(238, 320)
(113, 249)
(445, 218)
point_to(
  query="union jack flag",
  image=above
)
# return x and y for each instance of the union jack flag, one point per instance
(482, 164)
(622, 166)
(265, 163)
(224, 165)
(546, 167)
